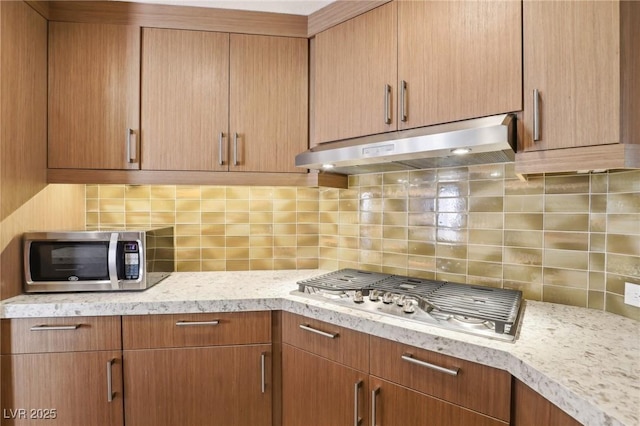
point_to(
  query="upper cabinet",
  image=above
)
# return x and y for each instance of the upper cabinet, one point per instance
(580, 86)
(268, 104)
(219, 102)
(416, 63)
(153, 105)
(355, 77)
(458, 60)
(94, 91)
(185, 99)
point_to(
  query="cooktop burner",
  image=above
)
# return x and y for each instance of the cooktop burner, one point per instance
(486, 311)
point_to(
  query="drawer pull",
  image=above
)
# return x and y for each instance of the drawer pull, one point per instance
(263, 385)
(54, 327)
(110, 393)
(411, 359)
(322, 333)
(189, 323)
(356, 390)
(374, 394)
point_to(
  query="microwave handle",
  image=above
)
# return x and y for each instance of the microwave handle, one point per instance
(112, 261)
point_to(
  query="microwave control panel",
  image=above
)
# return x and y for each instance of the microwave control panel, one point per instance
(131, 260)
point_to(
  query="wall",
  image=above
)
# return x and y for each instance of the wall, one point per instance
(571, 239)
(26, 202)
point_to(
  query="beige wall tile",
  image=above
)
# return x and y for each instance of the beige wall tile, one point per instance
(484, 253)
(615, 304)
(567, 259)
(162, 192)
(188, 192)
(595, 300)
(565, 295)
(623, 244)
(566, 278)
(566, 222)
(567, 239)
(111, 191)
(558, 203)
(572, 184)
(485, 269)
(623, 223)
(627, 181)
(599, 183)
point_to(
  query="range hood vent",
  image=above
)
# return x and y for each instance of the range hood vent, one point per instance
(486, 140)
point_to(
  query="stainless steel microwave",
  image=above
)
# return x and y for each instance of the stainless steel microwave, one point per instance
(97, 260)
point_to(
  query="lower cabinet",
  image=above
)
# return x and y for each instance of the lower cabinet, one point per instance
(62, 371)
(397, 405)
(532, 409)
(198, 369)
(460, 390)
(335, 376)
(325, 373)
(225, 386)
(320, 392)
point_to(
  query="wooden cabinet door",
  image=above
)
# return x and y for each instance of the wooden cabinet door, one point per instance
(319, 392)
(185, 98)
(213, 386)
(354, 63)
(459, 59)
(94, 92)
(397, 405)
(572, 57)
(66, 389)
(268, 103)
(532, 409)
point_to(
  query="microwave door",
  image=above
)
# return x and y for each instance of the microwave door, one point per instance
(56, 261)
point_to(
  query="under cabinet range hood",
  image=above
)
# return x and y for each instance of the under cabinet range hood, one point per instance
(478, 141)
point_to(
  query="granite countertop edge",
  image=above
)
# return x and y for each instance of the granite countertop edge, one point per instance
(547, 356)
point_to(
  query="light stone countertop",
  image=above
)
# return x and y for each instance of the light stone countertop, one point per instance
(585, 361)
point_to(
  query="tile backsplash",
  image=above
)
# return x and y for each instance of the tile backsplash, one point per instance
(571, 239)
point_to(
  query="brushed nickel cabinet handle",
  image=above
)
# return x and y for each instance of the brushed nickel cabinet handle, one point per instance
(403, 101)
(356, 390)
(130, 158)
(374, 394)
(321, 333)
(412, 360)
(387, 106)
(536, 115)
(190, 323)
(263, 385)
(235, 149)
(54, 327)
(220, 139)
(110, 393)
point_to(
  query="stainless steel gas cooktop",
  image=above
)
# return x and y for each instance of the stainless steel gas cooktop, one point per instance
(478, 310)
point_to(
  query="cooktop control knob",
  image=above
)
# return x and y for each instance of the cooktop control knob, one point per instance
(400, 300)
(409, 306)
(387, 298)
(374, 295)
(357, 297)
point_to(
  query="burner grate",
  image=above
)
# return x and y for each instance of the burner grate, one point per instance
(343, 280)
(408, 286)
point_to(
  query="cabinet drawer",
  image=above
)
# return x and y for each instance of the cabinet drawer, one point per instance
(348, 347)
(474, 386)
(64, 334)
(184, 330)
